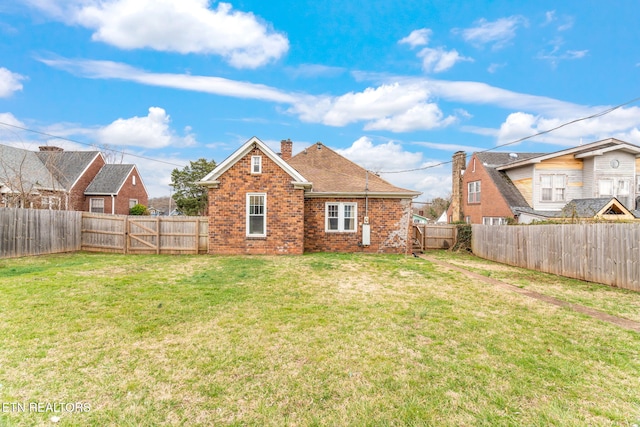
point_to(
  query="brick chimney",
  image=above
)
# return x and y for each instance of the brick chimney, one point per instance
(286, 148)
(458, 166)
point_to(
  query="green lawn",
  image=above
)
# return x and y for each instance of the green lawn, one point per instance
(318, 339)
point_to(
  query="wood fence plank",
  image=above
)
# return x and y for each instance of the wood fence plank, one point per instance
(607, 253)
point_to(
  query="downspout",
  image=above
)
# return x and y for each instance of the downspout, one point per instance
(113, 204)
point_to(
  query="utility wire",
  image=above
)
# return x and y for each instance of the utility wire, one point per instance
(593, 116)
(89, 145)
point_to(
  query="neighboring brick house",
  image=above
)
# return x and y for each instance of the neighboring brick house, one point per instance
(56, 179)
(599, 179)
(264, 203)
(115, 190)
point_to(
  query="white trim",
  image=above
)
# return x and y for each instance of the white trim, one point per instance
(581, 150)
(264, 215)
(252, 143)
(254, 164)
(341, 217)
(81, 175)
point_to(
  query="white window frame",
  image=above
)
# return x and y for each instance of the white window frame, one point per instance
(93, 201)
(342, 209)
(556, 186)
(249, 214)
(132, 203)
(50, 202)
(494, 220)
(474, 191)
(608, 182)
(256, 164)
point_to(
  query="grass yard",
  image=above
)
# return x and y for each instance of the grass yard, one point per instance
(321, 339)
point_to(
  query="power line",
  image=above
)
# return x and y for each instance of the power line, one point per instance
(593, 116)
(87, 144)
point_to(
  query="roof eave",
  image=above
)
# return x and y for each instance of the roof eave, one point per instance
(361, 194)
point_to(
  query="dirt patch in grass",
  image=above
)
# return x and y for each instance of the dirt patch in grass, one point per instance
(321, 339)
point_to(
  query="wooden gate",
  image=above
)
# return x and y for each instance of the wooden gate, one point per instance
(429, 236)
(144, 234)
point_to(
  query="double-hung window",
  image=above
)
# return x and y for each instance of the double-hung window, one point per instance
(256, 215)
(552, 188)
(341, 217)
(50, 202)
(256, 164)
(473, 192)
(96, 205)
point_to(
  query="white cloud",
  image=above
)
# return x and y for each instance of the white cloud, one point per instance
(206, 84)
(422, 116)
(621, 123)
(390, 156)
(183, 26)
(382, 157)
(497, 33)
(556, 54)
(9, 82)
(417, 38)
(152, 131)
(10, 119)
(314, 70)
(392, 106)
(439, 60)
(495, 67)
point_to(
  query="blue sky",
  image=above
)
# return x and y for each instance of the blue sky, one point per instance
(391, 85)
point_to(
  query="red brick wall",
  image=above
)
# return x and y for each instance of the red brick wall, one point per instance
(128, 191)
(227, 210)
(78, 201)
(491, 201)
(390, 221)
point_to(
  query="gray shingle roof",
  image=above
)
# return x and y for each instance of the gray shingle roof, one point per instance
(109, 179)
(67, 166)
(23, 171)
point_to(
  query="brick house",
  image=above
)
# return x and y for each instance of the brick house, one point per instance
(56, 179)
(115, 189)
(596, 180)
(261, 202)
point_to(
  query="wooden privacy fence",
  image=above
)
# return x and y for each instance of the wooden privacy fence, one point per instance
(606, 253)
(144, 234)
(428, 236)
(25, 232)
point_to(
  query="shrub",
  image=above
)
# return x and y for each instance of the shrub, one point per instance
(139, 210)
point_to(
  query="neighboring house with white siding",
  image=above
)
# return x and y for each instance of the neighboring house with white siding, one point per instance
(600, 179)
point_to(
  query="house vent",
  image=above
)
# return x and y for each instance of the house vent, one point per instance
(513, 155)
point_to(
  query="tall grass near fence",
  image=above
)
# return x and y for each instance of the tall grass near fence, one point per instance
(606, 253)
(25, 232)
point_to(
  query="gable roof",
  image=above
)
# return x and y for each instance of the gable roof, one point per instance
(67, 166)
(109, 180)
(581, 151)
(491, 161)
(19, 167)
(589, 208)
(333, 174)
(212, 178)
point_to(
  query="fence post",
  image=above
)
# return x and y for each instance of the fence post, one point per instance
(126, 231)
(157, 235)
